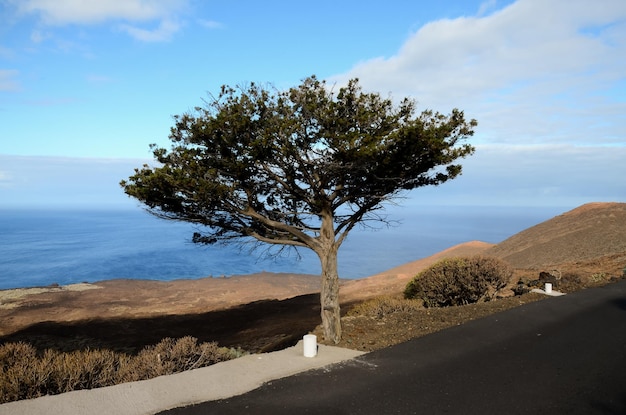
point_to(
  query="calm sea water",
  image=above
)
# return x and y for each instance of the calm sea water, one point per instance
(39, 248)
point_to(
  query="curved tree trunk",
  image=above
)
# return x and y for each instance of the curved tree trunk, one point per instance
(326, 250)
(329, 296)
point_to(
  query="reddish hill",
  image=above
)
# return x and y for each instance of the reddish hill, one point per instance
(581, 235)
(590, 239)
(395, 279)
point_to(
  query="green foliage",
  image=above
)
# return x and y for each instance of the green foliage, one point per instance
(298, 168)
(25, 374)
(256, 162)
(459, 281)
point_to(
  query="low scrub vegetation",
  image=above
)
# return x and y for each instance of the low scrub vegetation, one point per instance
(380, 307)
(26, 374)
(459, 281)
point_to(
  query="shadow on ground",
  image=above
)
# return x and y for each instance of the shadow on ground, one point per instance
(261, 326)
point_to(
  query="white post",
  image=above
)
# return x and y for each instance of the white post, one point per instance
(310, 345)
(548, 288)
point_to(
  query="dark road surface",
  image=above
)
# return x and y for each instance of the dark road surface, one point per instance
(562, 355)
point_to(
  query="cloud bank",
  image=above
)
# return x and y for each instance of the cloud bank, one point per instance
(126, 14)
(54, 182)
(534, 72)
(555, 175)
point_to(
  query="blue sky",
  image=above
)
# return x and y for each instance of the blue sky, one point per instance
(86, 86)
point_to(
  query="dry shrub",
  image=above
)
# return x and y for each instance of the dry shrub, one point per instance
(25, 374)
(175, 355)
(380, 307)
(31, 375)
(21, 372)
(459, 281)
(84, 369)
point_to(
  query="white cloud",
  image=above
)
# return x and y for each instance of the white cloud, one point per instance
(61, 12)
(8, 81)
(486, 7)
(86, 12)
(535, 175)
(37, 36)
(164, 32)
(210, 24)
(533, 71)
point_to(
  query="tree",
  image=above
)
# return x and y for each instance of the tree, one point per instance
(298, 168)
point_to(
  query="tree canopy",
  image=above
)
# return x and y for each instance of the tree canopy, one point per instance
(299, 167)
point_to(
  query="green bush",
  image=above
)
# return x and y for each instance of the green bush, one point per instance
(459, 281)
(26, 374)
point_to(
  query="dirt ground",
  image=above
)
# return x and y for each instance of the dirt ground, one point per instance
(258, 326)
(257, 313)
(252, 312)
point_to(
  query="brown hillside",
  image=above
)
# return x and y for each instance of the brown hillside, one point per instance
(581, 235)
(394, 280)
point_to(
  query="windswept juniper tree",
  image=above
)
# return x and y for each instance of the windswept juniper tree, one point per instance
(298, 168)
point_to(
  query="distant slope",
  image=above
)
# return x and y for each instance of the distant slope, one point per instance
(395, 279)
(590, 237)
(589, 231)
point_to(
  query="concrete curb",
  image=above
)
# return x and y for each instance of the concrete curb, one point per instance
(551, 294)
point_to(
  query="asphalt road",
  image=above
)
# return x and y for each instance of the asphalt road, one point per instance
(562, 355)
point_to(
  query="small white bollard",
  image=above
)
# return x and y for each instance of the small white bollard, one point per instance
(310, 345)
(548, 288)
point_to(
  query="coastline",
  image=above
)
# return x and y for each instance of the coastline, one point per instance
(8, 297)
(141, 297)
(39, 249)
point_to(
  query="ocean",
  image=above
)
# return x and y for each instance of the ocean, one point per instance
(44, 247)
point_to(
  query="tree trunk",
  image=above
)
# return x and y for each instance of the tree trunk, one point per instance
(329, 296)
